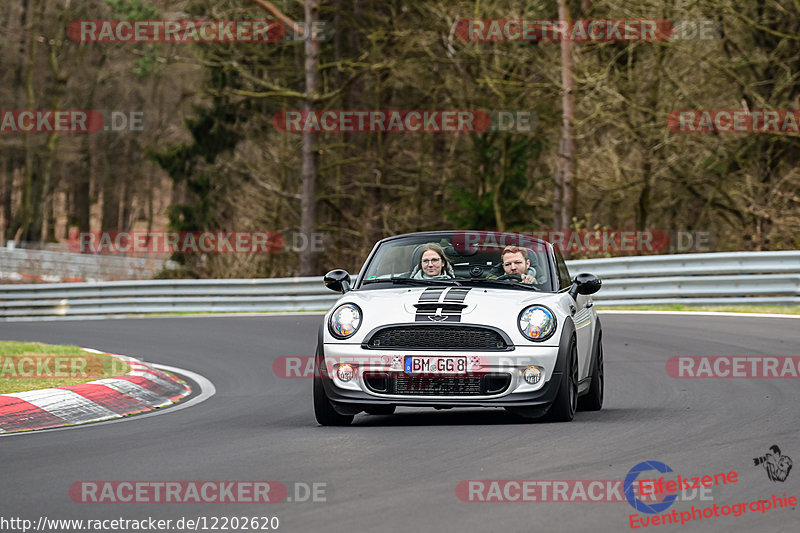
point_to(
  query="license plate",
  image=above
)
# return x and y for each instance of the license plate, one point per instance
(415, 364)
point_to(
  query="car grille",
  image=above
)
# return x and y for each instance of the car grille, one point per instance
(437, 337)
(483, 384)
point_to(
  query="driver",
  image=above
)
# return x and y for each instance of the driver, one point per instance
(433, 264)
(515, 260)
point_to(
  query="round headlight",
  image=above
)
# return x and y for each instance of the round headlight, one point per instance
(537, 323)
(344, 321)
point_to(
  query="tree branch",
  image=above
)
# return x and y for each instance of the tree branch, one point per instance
(278, 15)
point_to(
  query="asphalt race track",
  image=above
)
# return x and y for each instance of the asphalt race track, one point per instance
(400, 472)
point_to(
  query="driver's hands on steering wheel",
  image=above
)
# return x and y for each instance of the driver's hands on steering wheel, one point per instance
(526, 278)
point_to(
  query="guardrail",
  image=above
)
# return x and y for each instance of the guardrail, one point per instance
(733, 278)
(697, 279)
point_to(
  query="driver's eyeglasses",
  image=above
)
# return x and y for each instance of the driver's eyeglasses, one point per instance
(433, 261)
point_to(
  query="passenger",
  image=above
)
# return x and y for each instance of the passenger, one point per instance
(433, 264)
(515, 260)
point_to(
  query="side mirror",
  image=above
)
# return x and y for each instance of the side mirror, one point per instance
(586, 284)
(337, 280)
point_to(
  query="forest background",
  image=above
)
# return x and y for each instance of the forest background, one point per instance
(210, 158)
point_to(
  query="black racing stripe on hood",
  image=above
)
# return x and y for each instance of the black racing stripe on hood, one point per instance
(441, 309)
(431, 294)
(457, 294)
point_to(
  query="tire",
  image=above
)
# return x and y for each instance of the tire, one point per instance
(380, 410)
(593, 400)
(324, 412)
(566, 402)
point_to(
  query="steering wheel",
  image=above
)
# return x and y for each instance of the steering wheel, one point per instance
(515, 277)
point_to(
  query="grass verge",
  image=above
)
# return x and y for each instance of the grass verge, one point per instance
(232, 313)
(766, 309)
(28, 366)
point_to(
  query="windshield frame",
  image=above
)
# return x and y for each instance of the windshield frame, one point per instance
(551, 286)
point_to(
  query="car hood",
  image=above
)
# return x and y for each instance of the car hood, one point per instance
(476, 305)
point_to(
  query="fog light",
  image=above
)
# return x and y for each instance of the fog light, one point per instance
(345, 372)
(532, 375)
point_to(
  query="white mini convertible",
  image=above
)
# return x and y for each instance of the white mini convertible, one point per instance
(460, 319)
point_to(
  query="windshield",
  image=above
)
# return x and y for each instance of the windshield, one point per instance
(461, 258)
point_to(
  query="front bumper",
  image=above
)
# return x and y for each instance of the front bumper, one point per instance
(352, 396)
(542, 397)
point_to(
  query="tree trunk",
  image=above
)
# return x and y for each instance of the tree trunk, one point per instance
(308, 211)
(81, 188)
(16, 154)
(7, 192)
(47, 186)
(566, 151)
(52, 206)
(110, 218)
(497, 195)
(643, 205)
(24, 218)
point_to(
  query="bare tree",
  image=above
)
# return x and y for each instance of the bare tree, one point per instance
(308, 202)
(565, 166)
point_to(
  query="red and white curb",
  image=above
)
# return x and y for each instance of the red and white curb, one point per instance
(144, 388)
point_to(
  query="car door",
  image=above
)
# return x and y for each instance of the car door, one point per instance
(583, 317)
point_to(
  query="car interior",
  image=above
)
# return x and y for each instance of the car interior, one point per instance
(474, 263)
